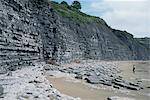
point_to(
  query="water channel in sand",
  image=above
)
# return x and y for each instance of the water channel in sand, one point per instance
(78, 88)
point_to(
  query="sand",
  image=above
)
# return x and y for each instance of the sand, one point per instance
(85, 92)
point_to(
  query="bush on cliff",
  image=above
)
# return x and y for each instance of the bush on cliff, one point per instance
(76, 5)
(64, 3)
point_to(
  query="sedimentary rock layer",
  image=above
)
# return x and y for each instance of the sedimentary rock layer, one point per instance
(20, 41)
(32, 30)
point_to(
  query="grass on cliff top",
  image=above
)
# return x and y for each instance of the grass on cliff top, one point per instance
(70, 12)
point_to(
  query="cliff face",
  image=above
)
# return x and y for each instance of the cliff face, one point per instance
(90, 37)
(144, 41)
(95, 40)
(33, 30)
(20, 41)
(139, 51)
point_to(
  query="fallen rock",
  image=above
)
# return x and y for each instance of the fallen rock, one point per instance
(107, 83)
(134, 84)
(36, 96)
(9, 73)
(29, 93)
(76, 71)
(117, 87)
(35, 81)
(3, 71)
(148, 87)
(78, 76)
(118, 80)
(124, 85)
(47, 68)
(97, 74)
(119, 98)
(92, 80)
(52, 62)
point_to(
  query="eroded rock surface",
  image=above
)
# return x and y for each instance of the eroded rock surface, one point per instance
(20, 42)
(94, 73)
(29, 83)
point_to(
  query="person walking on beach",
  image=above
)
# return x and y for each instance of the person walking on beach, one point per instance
(133, 69)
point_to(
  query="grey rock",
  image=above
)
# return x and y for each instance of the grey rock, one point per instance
(145, 41)
(108, 83)
(9, 73)
(76, 71)
(133, 84)
(78, 76)
(3, 71)
(1, 90)
(36, 96)
(148, 87)
(29, 93)
(35, 81)
(97, 75)
(119, 98)
(110, 98)
(47, 68)
(124, 85)
(93, 80)
(117, 87)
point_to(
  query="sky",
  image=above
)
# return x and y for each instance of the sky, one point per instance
(130, 15)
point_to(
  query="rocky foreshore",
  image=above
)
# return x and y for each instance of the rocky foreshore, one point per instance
(28, 83)
(97, 73)
(31, 82)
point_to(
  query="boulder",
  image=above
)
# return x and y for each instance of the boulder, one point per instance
(78, 76)
(107, 83)
(117, 87)
(35, 81)
(93, 80)
(119, 98)
(3, 71)
(76, 71)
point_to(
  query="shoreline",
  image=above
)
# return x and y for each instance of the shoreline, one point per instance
(32, 82)
(134, 95)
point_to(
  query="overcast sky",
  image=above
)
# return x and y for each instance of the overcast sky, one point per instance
(130, 15)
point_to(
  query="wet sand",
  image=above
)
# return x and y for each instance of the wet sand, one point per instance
(79, 89)
(85, 92)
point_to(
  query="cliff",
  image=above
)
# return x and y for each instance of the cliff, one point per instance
(90, 37)
(36, 30)
(20, 41)
(144, 41)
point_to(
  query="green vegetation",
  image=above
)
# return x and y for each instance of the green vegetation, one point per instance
(76, 5)
(68, 11)
(64, 3)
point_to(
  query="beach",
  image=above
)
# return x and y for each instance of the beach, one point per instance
(79, 88)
